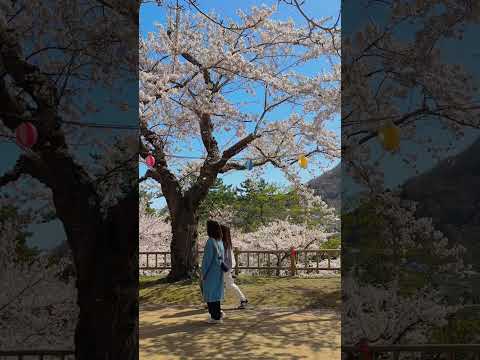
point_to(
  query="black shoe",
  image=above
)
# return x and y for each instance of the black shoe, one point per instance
(243, 304)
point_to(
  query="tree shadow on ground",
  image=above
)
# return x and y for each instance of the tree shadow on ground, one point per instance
(318, 299)
(185, 313)
(145, 284)
(265, 292)
(174, 333)
(148, 283)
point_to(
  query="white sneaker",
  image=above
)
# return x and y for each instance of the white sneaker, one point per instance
(222, 315)
(212, 321)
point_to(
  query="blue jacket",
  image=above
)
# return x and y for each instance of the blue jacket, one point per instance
(212, 272)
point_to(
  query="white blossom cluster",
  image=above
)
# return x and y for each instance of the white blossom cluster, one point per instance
(37, 308)
(384, 316)
(386, 313)
(154, 233)
(281, 235)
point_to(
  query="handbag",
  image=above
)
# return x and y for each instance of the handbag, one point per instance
(223, 266)
(200, 282)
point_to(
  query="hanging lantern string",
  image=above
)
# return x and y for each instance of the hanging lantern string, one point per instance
(150, 160)
(13, 138)
(243, 158)
(173, 156)
(98, 125)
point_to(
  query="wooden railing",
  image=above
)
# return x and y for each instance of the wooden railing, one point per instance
(269, 261)
(37, 355)
(394, 351)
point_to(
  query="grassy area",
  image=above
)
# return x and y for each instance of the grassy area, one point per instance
(261, 291)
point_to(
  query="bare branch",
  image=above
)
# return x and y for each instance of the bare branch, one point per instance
(236, 29)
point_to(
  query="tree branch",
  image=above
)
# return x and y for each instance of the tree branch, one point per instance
(239, 146)
(25, 75)
(206, 132)
(120, 8)
(168, 181)
(12, 175)
(11, 112)
(236, 29)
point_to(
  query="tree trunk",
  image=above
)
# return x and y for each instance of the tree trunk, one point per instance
(106, 261)
(184, 245)
(107, 327)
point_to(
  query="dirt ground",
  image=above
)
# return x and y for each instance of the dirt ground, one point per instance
(181, 332)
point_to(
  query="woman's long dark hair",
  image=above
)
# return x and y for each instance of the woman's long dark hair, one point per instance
(214, 230)
(226, 237)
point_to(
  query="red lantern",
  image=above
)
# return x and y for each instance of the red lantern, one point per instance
(364, 349)
(150, 160)
(26, 134)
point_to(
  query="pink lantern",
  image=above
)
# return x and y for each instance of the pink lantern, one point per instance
(26, 134)
(150, 160)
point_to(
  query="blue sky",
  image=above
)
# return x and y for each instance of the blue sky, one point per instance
(151, 14)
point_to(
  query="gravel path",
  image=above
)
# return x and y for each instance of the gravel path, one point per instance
(181, 332)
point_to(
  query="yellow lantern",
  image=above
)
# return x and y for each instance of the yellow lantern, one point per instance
(389, 135)
(303, 161)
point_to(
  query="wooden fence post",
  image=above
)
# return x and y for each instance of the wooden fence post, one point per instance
(293, 267)
(269, 265)
(235, 254)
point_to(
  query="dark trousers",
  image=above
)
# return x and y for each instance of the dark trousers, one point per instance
(214, 310)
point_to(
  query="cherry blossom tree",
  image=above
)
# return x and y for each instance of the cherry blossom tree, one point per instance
(37, 306)
(282, 235)
(54, 56)
(405, 303)
(154, 232)
(198, 81)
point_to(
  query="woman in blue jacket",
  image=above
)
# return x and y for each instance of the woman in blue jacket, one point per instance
(212, 273)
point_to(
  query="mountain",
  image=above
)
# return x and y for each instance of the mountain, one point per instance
(450, 195)
(328, 186)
